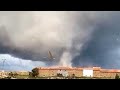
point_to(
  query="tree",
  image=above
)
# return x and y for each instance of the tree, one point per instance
(73, 75)
(117, 76)
(11, 74)
(35, 72)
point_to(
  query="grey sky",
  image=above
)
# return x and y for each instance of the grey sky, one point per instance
(74, 37)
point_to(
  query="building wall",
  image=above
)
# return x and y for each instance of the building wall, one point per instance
(107, 74)
(53, 72)
(87, 73)
(97, 72)
(44, 73)
(78, 73)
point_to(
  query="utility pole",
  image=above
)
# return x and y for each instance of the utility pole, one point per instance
(3, 63)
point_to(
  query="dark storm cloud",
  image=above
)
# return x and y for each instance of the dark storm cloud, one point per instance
(103, 48)
(85, 38)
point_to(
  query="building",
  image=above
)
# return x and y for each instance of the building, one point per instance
(96, 72)
(24, 73)
(3, 74)
(110, 73)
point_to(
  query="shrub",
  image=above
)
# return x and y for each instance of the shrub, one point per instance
(117, 76)
(35, 72)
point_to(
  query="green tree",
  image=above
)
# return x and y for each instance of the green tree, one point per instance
(117, 76)
(35, 72)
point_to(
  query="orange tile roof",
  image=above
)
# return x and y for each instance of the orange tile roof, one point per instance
(110, 70)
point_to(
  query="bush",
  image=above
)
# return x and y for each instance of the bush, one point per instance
(117, 76)
(35, 72)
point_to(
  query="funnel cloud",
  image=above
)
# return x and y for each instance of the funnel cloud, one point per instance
(75, 38)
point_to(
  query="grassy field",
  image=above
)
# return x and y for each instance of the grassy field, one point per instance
(28, 77)
(22, 77)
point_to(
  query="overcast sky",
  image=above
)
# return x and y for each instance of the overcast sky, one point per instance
(8, 62)
(75, 38)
